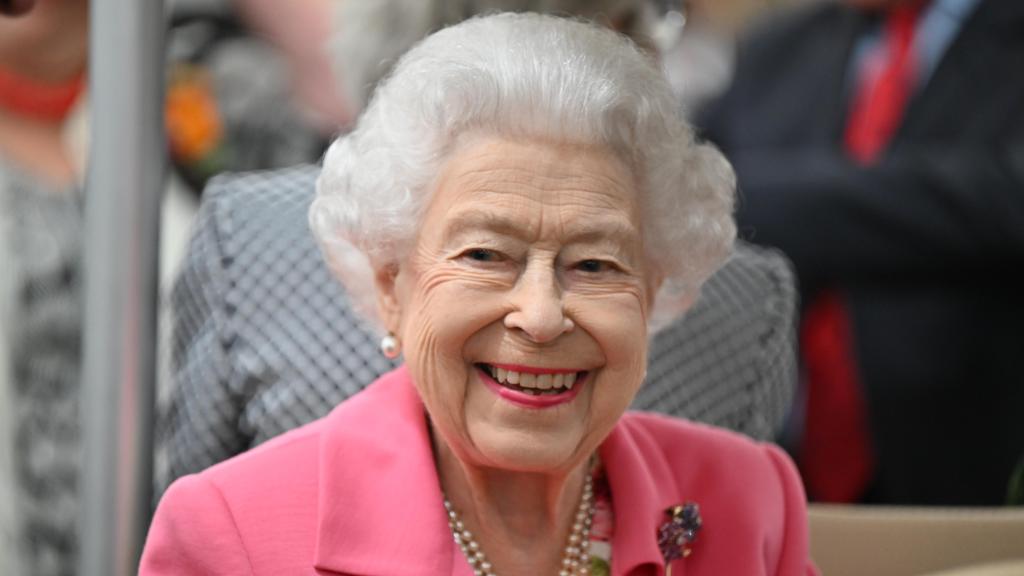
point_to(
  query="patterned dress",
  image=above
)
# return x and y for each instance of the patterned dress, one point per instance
(41, 320)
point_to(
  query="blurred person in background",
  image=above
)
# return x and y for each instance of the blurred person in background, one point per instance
(43, 139)
(42, 79)
(880, 144)
(302, 34)
(43, 142)
(697, 39)
(250, 85)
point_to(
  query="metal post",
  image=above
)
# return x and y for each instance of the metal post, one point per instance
(122, 208)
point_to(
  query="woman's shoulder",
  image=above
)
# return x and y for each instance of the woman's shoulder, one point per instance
(296, 453)
(749, 493)
(709, 458)
(220, 521)
(281, 473)
(670, 435)
(260, 510)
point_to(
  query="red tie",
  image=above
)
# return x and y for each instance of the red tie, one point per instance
(885, 84)
(836, 454)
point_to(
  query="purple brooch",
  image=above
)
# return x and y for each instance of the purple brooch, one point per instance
(676, 535)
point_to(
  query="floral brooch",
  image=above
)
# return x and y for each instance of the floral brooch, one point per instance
(680, 531)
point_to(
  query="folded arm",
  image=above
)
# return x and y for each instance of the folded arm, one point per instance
(922, 212)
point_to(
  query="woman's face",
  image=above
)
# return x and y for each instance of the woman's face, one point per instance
(522, 307)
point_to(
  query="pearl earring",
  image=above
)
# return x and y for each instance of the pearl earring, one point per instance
(390, 347)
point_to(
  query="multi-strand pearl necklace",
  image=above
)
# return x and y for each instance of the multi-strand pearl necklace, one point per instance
(575, 559)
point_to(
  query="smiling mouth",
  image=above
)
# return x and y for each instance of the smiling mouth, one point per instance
(534, 384)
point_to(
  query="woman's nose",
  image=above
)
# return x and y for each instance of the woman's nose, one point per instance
(537, 307)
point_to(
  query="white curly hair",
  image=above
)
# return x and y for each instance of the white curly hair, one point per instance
(522, 76)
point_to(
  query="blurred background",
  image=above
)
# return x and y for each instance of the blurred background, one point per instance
(878, 143)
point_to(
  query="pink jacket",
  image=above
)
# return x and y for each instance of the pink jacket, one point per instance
(357, 493)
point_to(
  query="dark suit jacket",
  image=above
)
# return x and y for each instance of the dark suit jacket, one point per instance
(928, 245)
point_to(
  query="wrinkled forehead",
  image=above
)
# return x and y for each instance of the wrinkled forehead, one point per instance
(487, 168)
(529, 222)
(502, 184)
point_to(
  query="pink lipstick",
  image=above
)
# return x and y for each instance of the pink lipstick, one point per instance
(525, 399)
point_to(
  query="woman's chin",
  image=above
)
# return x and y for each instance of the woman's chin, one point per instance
(525, 450)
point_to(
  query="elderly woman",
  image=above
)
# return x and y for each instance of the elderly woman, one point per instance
(517, 208)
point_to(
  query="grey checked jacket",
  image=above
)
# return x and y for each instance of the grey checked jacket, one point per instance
(264, 339)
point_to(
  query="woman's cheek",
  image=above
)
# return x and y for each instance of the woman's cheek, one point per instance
(447, 309)
(618, 323)
(615, 311)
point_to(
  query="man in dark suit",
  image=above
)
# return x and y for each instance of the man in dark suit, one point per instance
(913, 228)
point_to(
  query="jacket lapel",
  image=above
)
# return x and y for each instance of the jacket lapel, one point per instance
(975, 75)
(380, 506)
(831, 75)
(642, 489)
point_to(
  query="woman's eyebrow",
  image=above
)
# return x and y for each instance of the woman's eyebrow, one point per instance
(616, 229)
(482, 220)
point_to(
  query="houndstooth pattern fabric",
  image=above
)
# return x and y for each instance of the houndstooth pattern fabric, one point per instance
(731, 360)
(265, 339)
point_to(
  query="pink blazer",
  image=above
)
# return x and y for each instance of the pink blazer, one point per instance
(357, 493)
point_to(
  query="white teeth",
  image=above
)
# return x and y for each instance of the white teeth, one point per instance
(528, 380)
(534, 382)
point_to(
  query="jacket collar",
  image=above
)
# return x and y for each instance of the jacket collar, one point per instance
(379, 505)
(642, 487)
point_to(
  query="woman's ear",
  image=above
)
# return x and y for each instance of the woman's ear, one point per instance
(389, 303)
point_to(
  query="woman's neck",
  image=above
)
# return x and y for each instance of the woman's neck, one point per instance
(38, 148)
(521, 520)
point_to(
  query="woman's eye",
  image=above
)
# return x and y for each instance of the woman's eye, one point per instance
(482, 255)
(593, 266)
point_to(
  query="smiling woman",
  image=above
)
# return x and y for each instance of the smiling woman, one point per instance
(517, 209)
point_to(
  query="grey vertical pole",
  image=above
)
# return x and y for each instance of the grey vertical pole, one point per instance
(122, 207)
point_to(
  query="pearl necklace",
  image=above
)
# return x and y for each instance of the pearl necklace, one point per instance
(575, 560)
